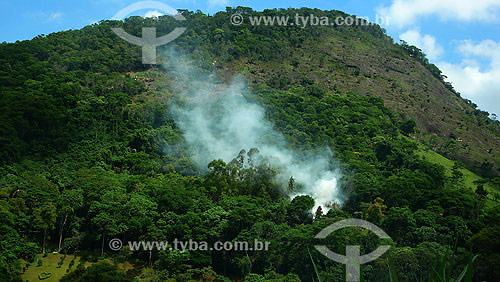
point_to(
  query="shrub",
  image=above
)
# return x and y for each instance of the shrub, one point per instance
(61, 261)
(72, 262)
(44, 275)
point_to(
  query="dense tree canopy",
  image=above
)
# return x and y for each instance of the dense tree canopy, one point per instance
(83, 131)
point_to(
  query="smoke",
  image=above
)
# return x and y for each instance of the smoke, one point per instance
(218, 121)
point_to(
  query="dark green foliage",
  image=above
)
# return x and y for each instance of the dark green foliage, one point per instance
(408, 127)
(101, 272)
(441, 270)
(300, 210)
(90, 152)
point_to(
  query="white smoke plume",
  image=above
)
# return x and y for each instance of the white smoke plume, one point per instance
(218, 121)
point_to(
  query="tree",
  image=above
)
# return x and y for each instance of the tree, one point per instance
(45, 219)
(456, 172)
(291, 184)
(408, 127)
(101, 272)
(376, 211)
(319, 213)
(252, 277)
(399, 223)
(300, 208)
(218, 179)
(406, 263)
(141, 211)
(69, 201)
(481, 191)
(109, 216)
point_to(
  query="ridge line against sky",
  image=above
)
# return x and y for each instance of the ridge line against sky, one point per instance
(459, 36)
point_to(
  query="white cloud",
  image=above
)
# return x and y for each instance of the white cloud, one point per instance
(487, 49)
(482, 86)
(425, 42)
(404, 13)
(153, 14)
(54, 17)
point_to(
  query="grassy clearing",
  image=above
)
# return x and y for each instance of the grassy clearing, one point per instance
(469, 176)
(50, 264)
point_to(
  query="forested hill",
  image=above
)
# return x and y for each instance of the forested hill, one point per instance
(60, 67)
(89, 151)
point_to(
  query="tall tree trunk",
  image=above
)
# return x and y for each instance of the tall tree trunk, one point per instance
(44, 235)
(63, 222)
(102, 246)
(150, 252)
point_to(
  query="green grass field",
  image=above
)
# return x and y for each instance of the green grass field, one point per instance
(469, 176)
(50, 264)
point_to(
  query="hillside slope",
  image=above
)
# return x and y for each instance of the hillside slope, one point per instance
(340, 59)
(363, 61)
(92, 148)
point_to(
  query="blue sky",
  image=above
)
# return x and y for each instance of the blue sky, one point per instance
(460, 36)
